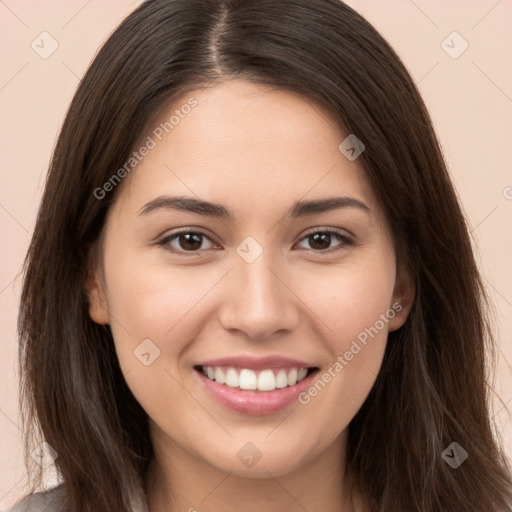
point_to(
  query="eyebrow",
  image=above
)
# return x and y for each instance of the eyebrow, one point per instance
(208, 209)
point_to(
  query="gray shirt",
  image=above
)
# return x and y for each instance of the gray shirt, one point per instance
(53, 499)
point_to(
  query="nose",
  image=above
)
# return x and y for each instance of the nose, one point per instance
(258, 301)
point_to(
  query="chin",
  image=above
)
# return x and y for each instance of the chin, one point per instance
(259, 459)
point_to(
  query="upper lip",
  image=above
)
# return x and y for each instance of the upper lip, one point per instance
(257, 363)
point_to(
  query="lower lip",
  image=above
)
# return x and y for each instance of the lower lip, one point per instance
(255, 403)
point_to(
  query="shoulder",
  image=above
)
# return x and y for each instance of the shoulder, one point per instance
(45, 501)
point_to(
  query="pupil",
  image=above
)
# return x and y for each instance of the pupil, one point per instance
(193, 241)
(320, 238)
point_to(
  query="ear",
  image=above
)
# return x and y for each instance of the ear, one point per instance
(98, 306)
(403, 298)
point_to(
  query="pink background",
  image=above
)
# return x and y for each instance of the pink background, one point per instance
(469, 97)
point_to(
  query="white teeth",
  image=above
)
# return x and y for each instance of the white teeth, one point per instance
(219, 376)
(292, 377)
(266, 380)
(248, 379)
(232, 379)
(281, 379)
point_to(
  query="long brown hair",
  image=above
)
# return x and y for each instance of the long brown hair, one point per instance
(433, 387)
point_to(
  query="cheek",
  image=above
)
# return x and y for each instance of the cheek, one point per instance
(142, 296)
(154, 315)
(354, 311)
(155, 302)
(348, 299)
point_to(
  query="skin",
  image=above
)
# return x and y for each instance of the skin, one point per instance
(253, 150)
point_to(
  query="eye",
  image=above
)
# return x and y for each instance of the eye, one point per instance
(320, 240)
(187, 242)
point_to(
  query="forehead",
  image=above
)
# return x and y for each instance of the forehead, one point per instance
(248, 145)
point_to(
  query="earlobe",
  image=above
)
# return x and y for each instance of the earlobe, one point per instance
(403, 299)
(98, 306)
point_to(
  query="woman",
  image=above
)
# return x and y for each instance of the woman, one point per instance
(251, 285)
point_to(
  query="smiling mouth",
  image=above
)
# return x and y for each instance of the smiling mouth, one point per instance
(265, 380)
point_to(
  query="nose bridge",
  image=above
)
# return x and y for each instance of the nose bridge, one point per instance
(258, 302)
(259, 284)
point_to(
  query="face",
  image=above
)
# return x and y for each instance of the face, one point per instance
(283, 299)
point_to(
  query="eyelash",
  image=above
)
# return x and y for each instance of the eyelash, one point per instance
(345, 241)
